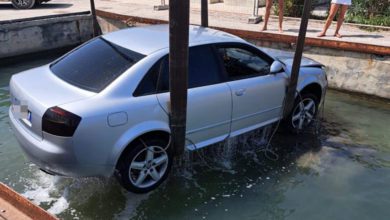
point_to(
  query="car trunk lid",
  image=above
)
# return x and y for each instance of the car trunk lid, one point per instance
(36, 90)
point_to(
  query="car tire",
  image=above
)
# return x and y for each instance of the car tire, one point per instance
(303, 113)
(145, 166)
(23, 4)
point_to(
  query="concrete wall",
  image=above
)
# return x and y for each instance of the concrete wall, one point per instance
(28, 36)
(111, 25)
(356, 72)
(346, 70)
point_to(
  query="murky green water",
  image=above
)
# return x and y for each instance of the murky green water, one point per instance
(342, 173)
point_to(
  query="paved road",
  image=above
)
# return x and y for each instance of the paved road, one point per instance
(220, 15)
(7, 12)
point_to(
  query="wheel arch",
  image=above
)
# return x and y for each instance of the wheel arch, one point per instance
(145, 130)
(312, 88)
(152, 134)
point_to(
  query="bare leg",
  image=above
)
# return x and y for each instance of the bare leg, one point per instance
(332, 13)
(340, 20)
(268, 6)
(281, 8)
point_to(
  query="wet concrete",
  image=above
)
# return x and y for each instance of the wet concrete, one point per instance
(339, 171)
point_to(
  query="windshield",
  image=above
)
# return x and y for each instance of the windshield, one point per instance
(95, 65)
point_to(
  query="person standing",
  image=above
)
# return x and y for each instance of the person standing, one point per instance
(268, 5)
(335, 5)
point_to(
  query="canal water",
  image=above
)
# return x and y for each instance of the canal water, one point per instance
(343, 172)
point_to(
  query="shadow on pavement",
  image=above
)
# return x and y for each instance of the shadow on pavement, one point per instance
(308, 30)
(344, 35)
(363, 35)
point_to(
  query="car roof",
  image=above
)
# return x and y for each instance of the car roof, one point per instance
(148, 39)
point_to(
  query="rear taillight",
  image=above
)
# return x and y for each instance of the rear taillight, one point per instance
(60, 122)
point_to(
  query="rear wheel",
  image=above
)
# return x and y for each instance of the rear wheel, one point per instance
(303, 113)
(23, 4)
(146, 166)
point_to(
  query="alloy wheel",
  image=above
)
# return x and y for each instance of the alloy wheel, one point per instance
(303, 113)
(148, 166)
(22, 3)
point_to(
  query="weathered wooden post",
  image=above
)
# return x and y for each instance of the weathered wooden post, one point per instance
(292, 87)
(204, 13)
(96, 28)
(179, 18)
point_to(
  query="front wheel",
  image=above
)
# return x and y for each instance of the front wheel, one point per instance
(145, 167)
(23, 4)
(303, 113)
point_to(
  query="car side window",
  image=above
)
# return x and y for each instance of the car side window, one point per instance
(203, 70)
(241, 63)
(148, 84)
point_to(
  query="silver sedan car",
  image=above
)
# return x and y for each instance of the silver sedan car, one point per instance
(103, 108)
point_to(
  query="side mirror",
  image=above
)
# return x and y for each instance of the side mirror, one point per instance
(276, 67)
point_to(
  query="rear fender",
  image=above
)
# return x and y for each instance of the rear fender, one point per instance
(132, 134)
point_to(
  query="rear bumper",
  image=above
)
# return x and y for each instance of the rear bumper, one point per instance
(55, 157)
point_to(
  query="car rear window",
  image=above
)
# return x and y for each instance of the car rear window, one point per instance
(95, 65)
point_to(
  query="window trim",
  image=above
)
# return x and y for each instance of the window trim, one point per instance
(156, 64)
(221, 72)
(243, 46)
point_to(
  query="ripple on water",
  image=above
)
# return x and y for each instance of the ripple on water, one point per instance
(67, 196)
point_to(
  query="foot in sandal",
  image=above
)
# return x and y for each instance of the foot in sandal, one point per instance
(322, 34)
(338, 35)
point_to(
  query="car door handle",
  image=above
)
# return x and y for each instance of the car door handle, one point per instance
(240, 92)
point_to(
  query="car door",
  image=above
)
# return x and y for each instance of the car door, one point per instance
(209, 104)
(257, 95)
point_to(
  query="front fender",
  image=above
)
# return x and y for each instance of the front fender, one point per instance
(307, 81)
(309, 76)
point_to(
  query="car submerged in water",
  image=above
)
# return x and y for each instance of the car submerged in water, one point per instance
(25, 4)
(103, 108)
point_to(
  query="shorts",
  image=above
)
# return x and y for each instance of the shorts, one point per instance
(342, 2)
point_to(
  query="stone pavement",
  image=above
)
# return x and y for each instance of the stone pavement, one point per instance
(220, 15)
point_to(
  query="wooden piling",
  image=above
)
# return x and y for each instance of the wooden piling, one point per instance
(95, 24)
(204, 13)
(179, 17)
(292, 86)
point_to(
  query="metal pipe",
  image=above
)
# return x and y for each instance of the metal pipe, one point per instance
(204, 13)
(292, 87)
(255, 8)
(163, 6)
(179, 18)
